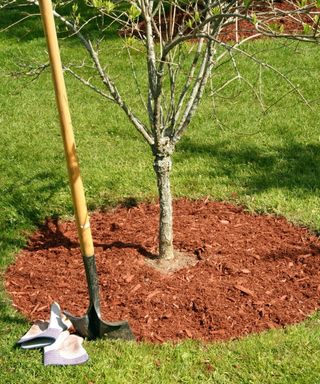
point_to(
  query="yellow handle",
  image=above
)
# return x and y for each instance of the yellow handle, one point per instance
(78, 197)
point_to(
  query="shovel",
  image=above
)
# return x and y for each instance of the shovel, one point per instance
(91, 325)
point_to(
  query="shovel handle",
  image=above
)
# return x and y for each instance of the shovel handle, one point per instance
(77, 191)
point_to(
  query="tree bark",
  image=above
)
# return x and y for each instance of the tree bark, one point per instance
(162, 167)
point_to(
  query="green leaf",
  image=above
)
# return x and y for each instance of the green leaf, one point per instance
(275, 27)
(302, 3)
(216, 11)
(307, 29)
(254, 19)
(106, 5)
(74, 8)
(109, 6)
(134, 12)
(197, 16)
(189, 23)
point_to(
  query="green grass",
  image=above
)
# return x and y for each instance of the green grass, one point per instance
(268, 162)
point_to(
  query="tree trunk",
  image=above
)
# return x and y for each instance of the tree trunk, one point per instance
(162, 167)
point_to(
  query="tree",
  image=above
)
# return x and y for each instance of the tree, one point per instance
(178, 73)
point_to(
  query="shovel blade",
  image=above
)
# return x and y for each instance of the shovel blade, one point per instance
(91, 326)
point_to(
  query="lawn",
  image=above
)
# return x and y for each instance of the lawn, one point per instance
(269, 162)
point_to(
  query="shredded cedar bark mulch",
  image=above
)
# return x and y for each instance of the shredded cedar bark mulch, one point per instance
(244, 29)
(252, 272)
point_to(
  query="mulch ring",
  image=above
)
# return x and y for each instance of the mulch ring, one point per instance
(252, 272)
(287, 23)
(244, 28)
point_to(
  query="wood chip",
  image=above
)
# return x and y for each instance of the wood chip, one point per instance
(218, 332)
(271, 325)
(244, 289)
(189, 334)
(42, 308)
(13, 283)
(304, 256)
(128, 278)
(136, 288)
(159, 338)
(152, 294)
(35, 308)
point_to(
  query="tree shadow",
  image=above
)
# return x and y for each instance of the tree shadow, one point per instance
(15, 23)
(25, 205)
(27, 202)
(26, 25)
(297, 255)
(8, 318)
(290, 166)
(121, 245)
(54, 238)
(12, 319)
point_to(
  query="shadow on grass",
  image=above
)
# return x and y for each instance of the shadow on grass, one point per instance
(24, 22)
(6, 316)
(11, 319)
(25, 206)
(290, 166)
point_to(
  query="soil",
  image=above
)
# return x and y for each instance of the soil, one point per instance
(248, 272)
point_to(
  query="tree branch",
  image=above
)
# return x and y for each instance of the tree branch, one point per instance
(115, 95)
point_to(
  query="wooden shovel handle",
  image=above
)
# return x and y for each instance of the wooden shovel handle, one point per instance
(78, 197)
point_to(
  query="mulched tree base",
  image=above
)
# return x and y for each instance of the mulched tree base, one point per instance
(252, 273)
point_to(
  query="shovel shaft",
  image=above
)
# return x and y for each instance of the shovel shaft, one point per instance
(91, 325)
(93, 284)
(77, 191)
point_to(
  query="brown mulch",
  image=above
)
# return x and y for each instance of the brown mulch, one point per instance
(245, 28)
(289, 24)
(252, 272)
